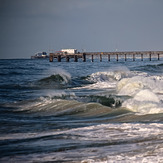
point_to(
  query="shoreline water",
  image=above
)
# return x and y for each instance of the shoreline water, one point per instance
(81, 112)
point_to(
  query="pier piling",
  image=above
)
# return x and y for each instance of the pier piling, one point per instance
(92, 59)
(133, 57)
(67, 58)
(141, 57)
(59, 58)
(51, 58)
(125, 57)
(100, 57)
(149, 56)
(84, 57)
(108, 57)
(117, 57)
(75, 58)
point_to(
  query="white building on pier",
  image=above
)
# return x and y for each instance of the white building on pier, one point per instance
(69, 51)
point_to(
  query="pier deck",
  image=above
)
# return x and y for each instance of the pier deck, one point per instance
(117, 55)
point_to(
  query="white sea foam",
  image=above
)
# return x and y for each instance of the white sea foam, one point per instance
(119, 143)
(99, 85)
(109, 131)
(130, 86)
(57, 93)
(145, 92)
(108, 76)
(107, 79)
(146, 95)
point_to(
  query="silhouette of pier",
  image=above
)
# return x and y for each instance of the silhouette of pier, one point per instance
(117, 55)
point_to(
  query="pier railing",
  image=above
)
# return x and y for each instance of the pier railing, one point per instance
(117, 55)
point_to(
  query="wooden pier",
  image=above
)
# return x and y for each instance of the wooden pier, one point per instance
(110, 55)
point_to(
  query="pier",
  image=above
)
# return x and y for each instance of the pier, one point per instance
(110, 55)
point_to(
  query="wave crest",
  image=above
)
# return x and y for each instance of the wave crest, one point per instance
(107, 76)
(145, 92)
(58, 79)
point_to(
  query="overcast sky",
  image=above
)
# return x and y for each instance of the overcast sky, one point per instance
(30, 26)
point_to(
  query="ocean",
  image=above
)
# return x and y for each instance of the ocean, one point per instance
(88, 112)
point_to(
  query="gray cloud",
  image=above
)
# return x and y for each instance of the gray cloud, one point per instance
(28, 26)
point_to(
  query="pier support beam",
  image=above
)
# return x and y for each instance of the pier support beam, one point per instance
(75, 58)
(100, 57)
(59, 58)
(133, 57)
(158, 56)
(92, 58)
(141, 57)
(117, 57)
(125, 57)
(108, 57)
(149, 56)
(84, 57)
(51, 58)
(67, 58)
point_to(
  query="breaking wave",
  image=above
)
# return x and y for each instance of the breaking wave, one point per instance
(114, 75)
(59, 79)
(146, 94)
(107, 79)
(60, 107)
(92, 112)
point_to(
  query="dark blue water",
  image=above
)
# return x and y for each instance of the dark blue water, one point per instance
(81, 112)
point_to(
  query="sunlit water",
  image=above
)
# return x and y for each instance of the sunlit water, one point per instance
(81, 112)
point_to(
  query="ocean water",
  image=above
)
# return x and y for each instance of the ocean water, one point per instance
(81, 112)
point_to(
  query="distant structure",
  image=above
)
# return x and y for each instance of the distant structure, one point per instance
(68, 54)
(69, 51)
(40, 55)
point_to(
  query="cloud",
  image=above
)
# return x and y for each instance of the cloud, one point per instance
(41, 8)
(93, 24)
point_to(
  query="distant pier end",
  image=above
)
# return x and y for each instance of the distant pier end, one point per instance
(73, 54)
(40, 55)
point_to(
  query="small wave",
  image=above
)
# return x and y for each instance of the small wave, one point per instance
(5, 73)
(63, 81)
(109, 101)
(152, 68)
(67, 108)
(14, 86)
(54, 78)
(54, 81)
(161, 64)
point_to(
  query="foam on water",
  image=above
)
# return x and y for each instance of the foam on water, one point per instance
(145, 91)
(92, 112)
(115, 74)
(130, 86)
(146, 95)
(106, 79)
(99, 143)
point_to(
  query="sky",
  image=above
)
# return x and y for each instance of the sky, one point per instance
(30, 26)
